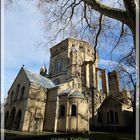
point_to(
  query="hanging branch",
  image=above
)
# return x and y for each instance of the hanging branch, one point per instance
(121, 34)
(97, 36)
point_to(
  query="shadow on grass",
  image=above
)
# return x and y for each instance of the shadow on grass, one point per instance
(15, 135)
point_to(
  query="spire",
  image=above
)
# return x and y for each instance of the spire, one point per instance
(43, 70)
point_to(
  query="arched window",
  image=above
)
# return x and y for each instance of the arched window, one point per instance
(58, 65)
(11, 96)
(111, 117)
(6, 119)
(22, 92)
(17, 91)
(11, 118)
(17, 120)
(73, 110)
(62, 111)
(51, 69)
(65, 63)
(116, 117)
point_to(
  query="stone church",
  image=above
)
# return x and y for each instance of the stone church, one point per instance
(73, 96)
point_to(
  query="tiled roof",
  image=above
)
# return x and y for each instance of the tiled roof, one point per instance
(38, 79)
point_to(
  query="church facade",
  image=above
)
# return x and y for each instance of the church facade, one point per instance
(73, 96)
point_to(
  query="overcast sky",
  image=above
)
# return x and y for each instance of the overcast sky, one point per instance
(23, 32)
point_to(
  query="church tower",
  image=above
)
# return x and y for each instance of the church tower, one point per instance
(73, 59)
(113, 80)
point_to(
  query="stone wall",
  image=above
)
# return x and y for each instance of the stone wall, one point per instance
(34, 116)
(17, 102)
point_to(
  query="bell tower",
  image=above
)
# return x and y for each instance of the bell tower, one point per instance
(72, 59)
(113, 80)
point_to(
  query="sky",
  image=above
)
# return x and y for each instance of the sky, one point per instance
(23, 32)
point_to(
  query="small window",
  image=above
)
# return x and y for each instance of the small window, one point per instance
(17, 91)
(81, 47)
(22, 93)
(73, 110)
(11, 97)
(58, 65)
(62, 111)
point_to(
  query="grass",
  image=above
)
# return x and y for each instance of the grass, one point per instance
(16, 135)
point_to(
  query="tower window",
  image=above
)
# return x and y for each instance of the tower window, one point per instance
(81, 48)
(73, 110)
(62, 111)
(58, 65)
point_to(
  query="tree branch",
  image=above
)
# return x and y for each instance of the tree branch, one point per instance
(97, 36)
(121, 34)
(114, 13)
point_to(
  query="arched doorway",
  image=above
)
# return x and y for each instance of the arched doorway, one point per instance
(11, 118)
(6, 119)
(17, 120)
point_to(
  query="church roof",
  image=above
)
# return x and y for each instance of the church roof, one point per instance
(38, 79)
(111, 102)
(71, 93)
(76, 94)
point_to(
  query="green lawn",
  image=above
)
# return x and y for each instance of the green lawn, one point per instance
(11, 135)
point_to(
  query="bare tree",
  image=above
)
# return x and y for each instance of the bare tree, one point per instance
(82, 15)
(127, 71)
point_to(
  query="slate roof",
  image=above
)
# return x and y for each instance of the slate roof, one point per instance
(76, 94)
(38, 79)
(71, 93)
(110, 102)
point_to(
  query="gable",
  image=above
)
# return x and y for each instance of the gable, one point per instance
(21, 78)
(111, 102)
